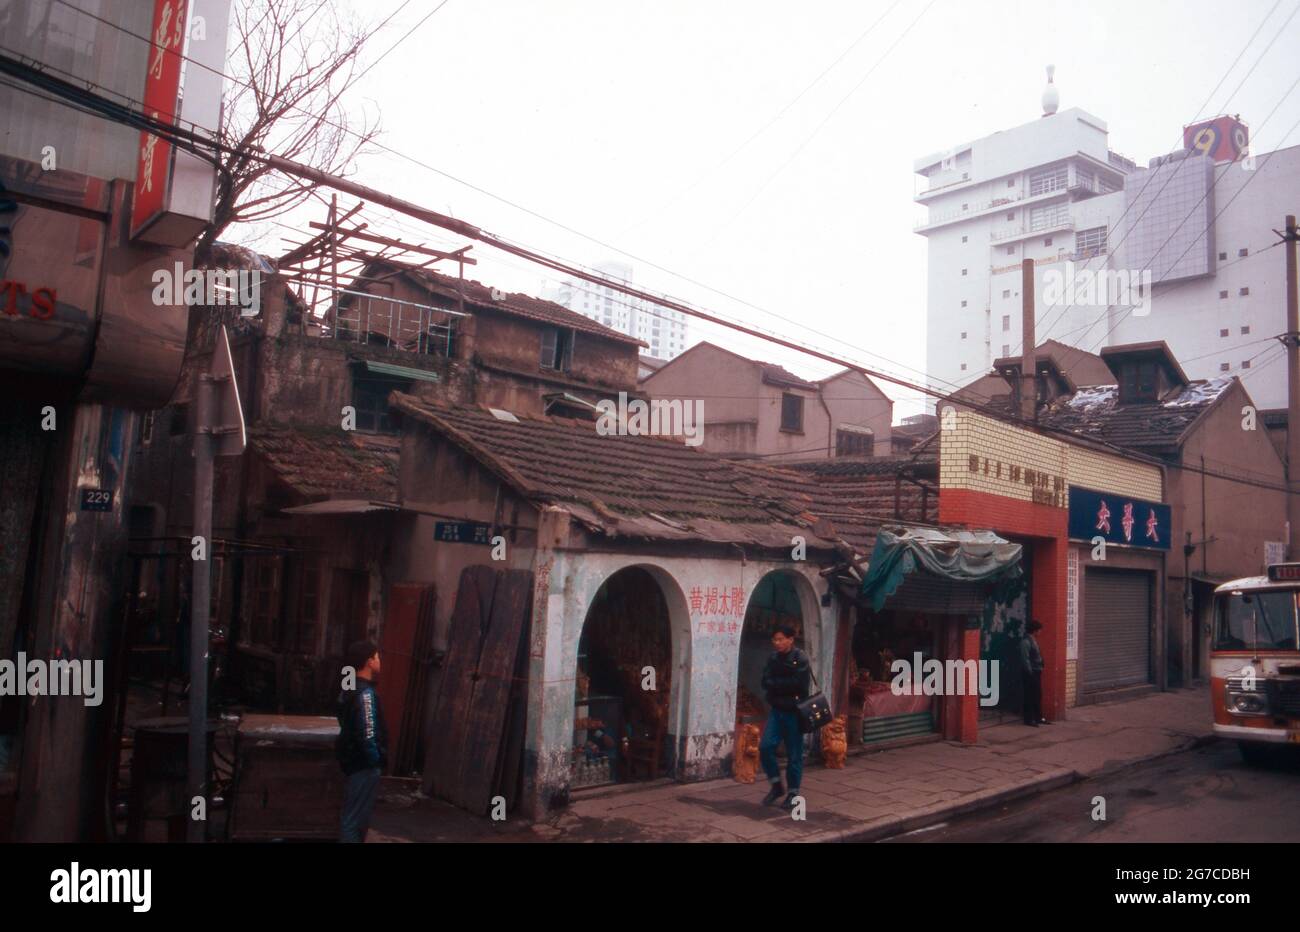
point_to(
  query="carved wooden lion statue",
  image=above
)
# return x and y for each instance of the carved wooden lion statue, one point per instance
(746, 767)
(835, 743)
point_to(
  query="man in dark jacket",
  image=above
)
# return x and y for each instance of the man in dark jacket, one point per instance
(363, 741)
(1031, 665)
(785, 683)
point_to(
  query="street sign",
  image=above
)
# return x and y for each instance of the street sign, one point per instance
(463, 532)
(96, 499)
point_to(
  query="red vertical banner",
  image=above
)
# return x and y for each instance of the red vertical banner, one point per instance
(162, 84)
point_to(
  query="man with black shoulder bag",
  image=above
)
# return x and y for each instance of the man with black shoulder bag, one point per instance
(795, 710)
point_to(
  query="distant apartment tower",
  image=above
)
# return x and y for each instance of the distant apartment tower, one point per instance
(663, 329)
(1183, 231)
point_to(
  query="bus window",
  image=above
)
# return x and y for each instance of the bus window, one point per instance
(1256, 621)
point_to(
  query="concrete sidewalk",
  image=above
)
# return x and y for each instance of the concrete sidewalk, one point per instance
(876, 794)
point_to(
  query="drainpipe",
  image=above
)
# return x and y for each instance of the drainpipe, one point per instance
(830, 427)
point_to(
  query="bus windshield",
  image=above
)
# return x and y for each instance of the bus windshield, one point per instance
(1256, 621)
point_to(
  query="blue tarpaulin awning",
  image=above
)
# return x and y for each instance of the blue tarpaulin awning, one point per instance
(956, 555)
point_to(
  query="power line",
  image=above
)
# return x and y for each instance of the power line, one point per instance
(1178, 167)
(529, 211)
(780, 113)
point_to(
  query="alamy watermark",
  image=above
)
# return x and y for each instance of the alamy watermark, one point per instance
(1099, 288)
(36, 677)
(659, 417)
(240, 288)
(933, 677)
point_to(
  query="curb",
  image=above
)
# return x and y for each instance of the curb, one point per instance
(920, 819)
(988, 798)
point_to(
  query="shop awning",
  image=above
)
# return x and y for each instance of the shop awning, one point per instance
(399, 372)
(957, 556)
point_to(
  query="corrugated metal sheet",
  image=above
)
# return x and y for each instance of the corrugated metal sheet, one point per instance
(1116, 629)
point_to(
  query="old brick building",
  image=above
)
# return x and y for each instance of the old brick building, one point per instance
(292, 584)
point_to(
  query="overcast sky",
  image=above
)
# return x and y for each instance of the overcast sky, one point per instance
(625, 121)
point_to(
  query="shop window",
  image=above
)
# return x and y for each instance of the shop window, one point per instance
(854, 441)
(791, 413)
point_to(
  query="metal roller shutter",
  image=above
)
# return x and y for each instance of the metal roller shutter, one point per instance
(1116, 629)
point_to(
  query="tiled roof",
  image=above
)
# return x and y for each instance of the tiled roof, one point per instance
(623, 486)
(519, 305)
(320, 463)
(1094, 412)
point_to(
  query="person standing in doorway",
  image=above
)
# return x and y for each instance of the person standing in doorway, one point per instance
(362, 743)
(785, 684)
(1031, 663)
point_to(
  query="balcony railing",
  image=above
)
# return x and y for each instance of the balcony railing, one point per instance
(401, 325)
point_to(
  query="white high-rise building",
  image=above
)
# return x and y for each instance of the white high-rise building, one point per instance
(663, 329)
(1122, 254)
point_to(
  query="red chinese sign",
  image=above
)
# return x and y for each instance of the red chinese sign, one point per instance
(161, 90)
(729, 603)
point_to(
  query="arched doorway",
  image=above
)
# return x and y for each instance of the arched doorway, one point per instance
(777, 600)
(624, 682)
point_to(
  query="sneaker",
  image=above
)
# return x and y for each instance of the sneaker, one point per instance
(1043, 721)
(773, 794)
(789, 800)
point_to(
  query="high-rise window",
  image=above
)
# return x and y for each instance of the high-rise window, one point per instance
(1048, 179)
(1088, 243)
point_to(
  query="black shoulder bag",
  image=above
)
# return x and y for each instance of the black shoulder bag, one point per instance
(815, 711)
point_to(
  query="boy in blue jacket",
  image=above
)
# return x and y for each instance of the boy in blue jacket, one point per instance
(362, 746)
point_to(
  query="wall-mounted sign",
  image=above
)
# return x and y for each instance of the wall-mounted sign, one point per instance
(96, 499)
(463, 532)
(1118, 519)
(1223, 139)
(1045, 488)
(162, 85)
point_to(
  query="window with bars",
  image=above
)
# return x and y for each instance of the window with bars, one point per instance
(1049, 179)
(370, 398)
(1048, 216)
(854, 441)
(266, 603)
(1089, 243)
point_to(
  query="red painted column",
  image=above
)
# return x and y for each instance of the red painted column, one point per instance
(968, 731)
(1049, 608)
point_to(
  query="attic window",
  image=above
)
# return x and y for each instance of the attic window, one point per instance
(557, 348)
(1139, 381)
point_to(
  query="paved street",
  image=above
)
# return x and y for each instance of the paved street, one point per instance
(1202, 795)
(878, 794)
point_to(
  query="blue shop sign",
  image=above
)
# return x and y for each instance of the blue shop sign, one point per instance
(1119, 519)
(463, 532)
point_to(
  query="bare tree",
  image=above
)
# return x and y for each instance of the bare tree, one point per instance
(293, 61)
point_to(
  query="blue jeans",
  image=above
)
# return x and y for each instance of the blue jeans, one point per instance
(782, 726)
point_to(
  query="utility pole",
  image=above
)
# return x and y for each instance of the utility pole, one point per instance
(218, 431)
(1292, 340)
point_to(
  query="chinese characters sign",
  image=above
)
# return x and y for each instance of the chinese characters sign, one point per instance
(161, 89)
(1118, 519)
(462, 532)
(721, 609)
(1045, 488)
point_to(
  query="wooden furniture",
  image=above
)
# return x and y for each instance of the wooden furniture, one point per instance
(288, 783)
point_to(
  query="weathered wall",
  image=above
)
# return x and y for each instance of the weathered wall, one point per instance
(856, 401)
(1239, 516)
(705, 651)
